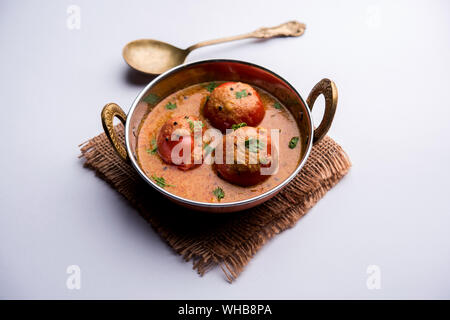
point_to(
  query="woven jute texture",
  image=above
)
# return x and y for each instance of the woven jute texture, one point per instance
(225, 240)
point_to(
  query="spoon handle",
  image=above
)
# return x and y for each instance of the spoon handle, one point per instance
(288, 29)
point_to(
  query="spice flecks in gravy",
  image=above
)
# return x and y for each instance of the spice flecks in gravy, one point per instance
(199, 184)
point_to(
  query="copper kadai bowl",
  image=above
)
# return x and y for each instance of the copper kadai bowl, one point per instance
(223, 70)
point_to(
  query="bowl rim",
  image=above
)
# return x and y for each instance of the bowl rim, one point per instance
(210, 204)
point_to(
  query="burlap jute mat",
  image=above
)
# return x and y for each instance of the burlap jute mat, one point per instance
(225, 240)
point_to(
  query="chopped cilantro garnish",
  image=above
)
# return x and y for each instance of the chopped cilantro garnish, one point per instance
(195, 125)
(208, 149)
(211, 86)
(151, 98)
(171, 106)
(219, 193)
(160, 181)
(239, 125)
(241, 94)
(293, 142)
(277, 105)
(253, 145)
(264, 160)
(153, 147)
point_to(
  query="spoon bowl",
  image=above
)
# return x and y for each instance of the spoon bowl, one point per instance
(152, 56)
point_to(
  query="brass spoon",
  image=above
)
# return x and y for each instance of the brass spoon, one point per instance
(155, 57)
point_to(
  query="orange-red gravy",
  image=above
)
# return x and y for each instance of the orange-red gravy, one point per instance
(198, 184)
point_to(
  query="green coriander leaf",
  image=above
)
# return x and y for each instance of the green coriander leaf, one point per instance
(171, 106)
(151, 98)
(241, 94)
(293, 142)
(239, 125)
(211, 86)
(153, 147)
(263, 160)
(253, 145)
(160, 181)
(219, 193)
(208, 149)
(277, 105)
(195, 125)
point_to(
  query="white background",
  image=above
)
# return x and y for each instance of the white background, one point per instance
(390, 61)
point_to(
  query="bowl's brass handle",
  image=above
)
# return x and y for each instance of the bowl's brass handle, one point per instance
(329, 91)
(110, 111)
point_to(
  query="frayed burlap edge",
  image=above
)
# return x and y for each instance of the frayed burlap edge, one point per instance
(327, 164)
